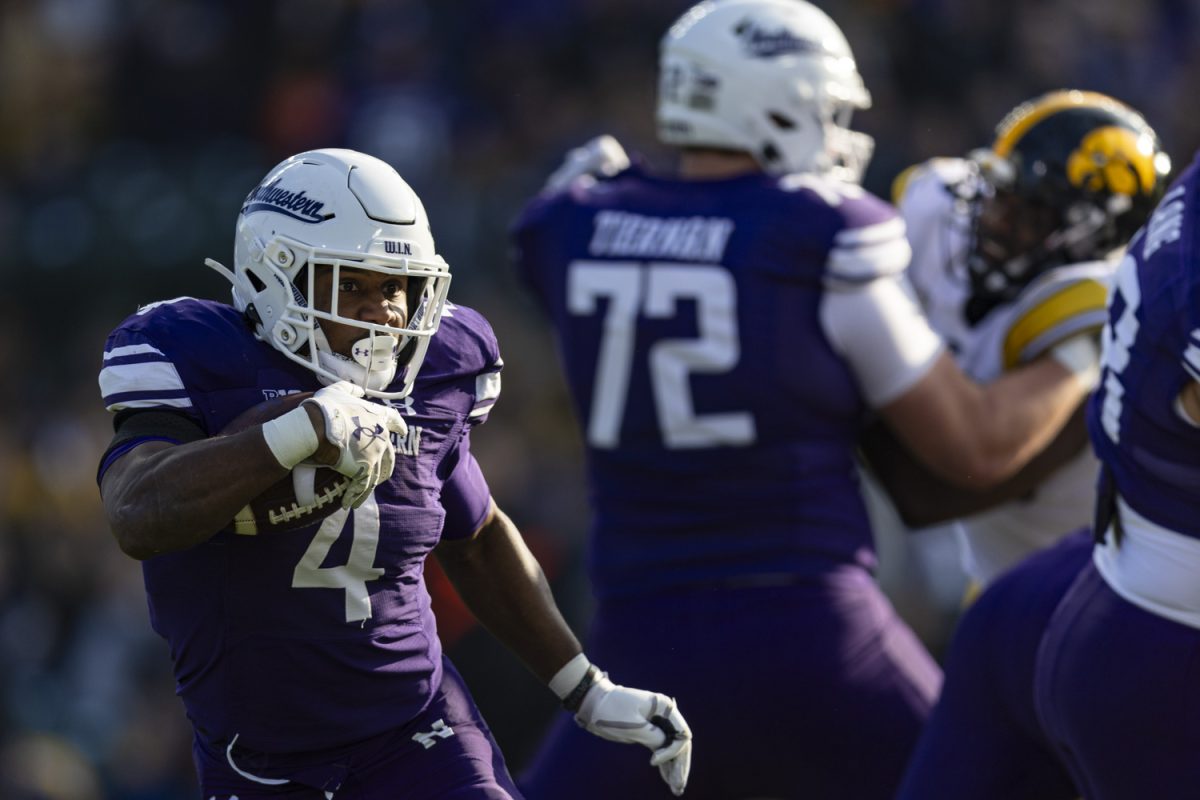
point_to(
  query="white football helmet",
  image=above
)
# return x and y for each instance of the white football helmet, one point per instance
(337, 209)
(774, 78)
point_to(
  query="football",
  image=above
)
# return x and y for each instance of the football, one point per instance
(306, 495)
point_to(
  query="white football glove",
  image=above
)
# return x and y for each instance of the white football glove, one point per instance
(362, 432)
(620, 714)
(1081, 356)
(600, 157)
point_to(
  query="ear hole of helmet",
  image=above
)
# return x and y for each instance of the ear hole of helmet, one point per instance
(781, 121)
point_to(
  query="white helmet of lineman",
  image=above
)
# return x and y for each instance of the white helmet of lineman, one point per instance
(774, 78)
(337, 209)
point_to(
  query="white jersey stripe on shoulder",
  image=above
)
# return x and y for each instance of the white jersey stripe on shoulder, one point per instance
(871, 234)
(1191, 360)
(131, 350)
(487, 389)
(870, 262)
(153, 402)
(481, 409)
(150, 376)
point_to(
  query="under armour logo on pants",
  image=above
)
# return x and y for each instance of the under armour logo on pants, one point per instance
(440, 731)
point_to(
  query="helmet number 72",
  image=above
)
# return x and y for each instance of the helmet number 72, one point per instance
(653, 290)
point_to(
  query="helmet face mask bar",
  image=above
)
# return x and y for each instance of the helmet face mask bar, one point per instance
(1070, 178)
(380, 349)
(338, 210)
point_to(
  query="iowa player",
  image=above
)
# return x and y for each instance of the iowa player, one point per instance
(1013, 251)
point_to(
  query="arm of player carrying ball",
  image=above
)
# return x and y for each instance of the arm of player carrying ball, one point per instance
(161, 497)
(503, 585)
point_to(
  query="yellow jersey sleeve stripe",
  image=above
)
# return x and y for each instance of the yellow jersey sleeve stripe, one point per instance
(900, 183)
(1085, 298)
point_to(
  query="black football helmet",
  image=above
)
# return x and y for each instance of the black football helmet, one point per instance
(1070, 177)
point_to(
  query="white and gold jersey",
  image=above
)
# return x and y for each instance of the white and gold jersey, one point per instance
(1053, 307)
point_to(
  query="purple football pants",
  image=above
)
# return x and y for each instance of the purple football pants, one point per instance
(420, 761)
(1118, 692)
(814, 689)
(983, 740)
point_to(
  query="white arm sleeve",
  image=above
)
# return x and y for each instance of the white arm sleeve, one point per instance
(879, 329)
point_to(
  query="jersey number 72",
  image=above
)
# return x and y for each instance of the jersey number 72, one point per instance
(652, 291)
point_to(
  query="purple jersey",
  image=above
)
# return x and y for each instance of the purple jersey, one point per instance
(1117, 667)
(323, 636)
(720, 422)
(984, 740)
(1151, 351)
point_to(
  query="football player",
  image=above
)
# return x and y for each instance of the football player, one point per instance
(983, 739)
(1013, 250)
(308, 660)
(725, 334)
(1004, 236)
(1117, 669)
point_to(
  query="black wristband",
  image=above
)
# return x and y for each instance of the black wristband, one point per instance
(574, 700)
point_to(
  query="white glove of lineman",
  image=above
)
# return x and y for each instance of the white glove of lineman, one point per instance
(361, 431)
(600, 157)
(1080, 355)
(629, 716)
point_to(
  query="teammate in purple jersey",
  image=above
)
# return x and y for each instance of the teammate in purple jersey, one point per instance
(983, 739)
(308, 660)
(1117, 672)
(725, 335)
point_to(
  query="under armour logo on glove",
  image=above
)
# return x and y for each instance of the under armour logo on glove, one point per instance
(361, 430)
(440, 731)
(365, 453)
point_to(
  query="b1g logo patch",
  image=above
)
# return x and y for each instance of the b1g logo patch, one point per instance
(275, 394)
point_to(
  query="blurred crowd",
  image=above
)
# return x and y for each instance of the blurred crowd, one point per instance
(130, 130)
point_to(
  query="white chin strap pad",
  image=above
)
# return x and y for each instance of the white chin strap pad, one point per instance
(373, 362)
(376, 352)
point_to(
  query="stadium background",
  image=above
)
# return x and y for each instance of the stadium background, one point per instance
(130, 130)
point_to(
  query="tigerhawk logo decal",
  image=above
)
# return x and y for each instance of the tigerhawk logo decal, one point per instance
(1109, 159)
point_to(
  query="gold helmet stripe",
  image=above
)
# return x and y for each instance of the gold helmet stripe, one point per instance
(1026, 115)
